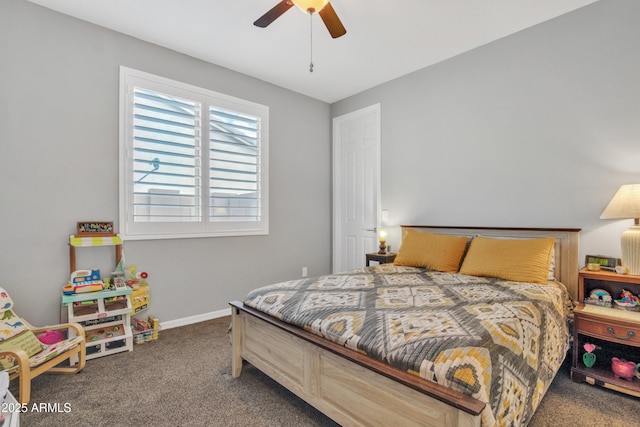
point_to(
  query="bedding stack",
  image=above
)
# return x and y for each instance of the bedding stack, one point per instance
(479, 315)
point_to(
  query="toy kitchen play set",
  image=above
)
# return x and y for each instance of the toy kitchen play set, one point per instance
(105, 305)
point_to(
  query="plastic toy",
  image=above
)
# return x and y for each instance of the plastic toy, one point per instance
(589, 358)
(623, 368)
(145, 331)
(137, 279)
(155, 325)
(627, 299)
(599, 297)
(84, 281)
(140, 299)
(85, 276)
(50, 337)
(117, 280)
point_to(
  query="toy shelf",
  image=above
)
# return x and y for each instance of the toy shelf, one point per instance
(108, 338)
(97, 305)
(106, 317)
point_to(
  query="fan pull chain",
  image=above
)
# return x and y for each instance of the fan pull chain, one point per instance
(310, 42)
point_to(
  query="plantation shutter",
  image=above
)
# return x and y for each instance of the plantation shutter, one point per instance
(194, 162)
(166, 157)
(234, 161)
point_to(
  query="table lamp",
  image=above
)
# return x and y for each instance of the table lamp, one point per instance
(626, 204)
(382, 235)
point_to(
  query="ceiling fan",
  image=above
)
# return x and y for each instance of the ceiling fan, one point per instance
(322, 7)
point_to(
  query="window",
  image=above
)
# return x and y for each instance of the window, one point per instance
(193, 162)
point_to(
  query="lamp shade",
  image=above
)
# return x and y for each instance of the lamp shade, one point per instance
(625, 203)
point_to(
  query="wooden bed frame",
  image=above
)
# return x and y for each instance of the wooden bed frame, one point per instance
(354, 389)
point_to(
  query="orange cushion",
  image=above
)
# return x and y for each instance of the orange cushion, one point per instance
(433, 251)
(520, 260)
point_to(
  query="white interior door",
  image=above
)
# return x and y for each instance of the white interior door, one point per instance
(356, 187)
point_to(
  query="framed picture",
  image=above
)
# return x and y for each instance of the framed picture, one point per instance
(95, 228)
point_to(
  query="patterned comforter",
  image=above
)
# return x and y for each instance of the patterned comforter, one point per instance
(498, 341)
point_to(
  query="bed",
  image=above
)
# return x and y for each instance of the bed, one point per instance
(440, 339)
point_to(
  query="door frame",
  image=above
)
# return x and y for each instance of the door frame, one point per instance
(336, 176)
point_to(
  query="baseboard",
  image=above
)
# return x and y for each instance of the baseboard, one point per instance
(195, 319)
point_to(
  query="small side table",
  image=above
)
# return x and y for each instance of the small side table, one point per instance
(380, 258)
(616, 332)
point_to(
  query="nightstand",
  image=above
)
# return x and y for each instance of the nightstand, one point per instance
(616, 332)
(381, 258)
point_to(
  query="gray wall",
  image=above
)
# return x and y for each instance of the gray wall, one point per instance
(538, 129)
(59, 164)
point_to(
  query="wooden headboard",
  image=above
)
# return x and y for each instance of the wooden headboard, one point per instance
(566, 247)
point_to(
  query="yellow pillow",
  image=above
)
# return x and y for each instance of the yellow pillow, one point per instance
(520, 260)
(433, 251)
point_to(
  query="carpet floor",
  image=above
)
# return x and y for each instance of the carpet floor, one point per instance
(184, 379)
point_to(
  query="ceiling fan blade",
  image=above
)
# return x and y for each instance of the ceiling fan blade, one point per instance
(273, 14)
(332, 22)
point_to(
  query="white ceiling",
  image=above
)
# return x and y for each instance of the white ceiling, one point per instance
(384, 39)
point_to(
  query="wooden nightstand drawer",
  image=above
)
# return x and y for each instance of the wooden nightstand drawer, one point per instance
(606, 330)
(621, 330)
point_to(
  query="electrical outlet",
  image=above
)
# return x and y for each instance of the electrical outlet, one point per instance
(304, 271)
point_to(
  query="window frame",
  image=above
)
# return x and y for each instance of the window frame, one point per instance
(131, 230)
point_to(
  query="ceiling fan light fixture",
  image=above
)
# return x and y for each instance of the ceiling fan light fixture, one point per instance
(310, 6)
